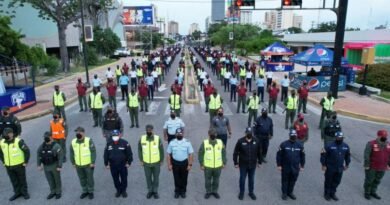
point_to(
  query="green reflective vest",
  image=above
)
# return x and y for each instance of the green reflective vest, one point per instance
(82, 152)
(242, 72)
(328, 104)
(139, 72)
(223, 71)
(133, 100)
(58, 99)
(12, 153)
(150, 149)
(118, 72)
(253, 103)
(175, 102)
(159, 70)
(261, 71)
(292, 103)
(213, 154)
(96, 100)
(215, 102)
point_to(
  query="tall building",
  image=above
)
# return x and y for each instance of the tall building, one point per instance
(207, 23)
(297, 21)
(281, 20)
(270, 20)
(173, 28)
(217, 10)
(246, 17)
(193, 27)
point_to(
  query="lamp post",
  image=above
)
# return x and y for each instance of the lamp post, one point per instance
(83, 42)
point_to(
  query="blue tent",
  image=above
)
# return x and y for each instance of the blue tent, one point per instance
(276, 49)
(319, 55)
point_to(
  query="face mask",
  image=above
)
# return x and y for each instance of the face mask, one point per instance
(220, 113)
(47, 139)
(293, 95)
(173, 116)
(264, 115)
(109, 112)
(249, 136)
(339, 141)
(149, 133)
(6, 137)
(179, 137)
(79, 136)
(334, 117)
(293, 138)
(94, 92)
(79, 81)
(115, 138)
(383, 139)
(212, 137)
(57, 90)
(300, 120)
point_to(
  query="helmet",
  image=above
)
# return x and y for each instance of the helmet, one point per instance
(339, 134)
(115, 133)
(292, 133)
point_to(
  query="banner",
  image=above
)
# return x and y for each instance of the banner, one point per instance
(279, 66)
(18, 98)
(137, 15)
(318, 83)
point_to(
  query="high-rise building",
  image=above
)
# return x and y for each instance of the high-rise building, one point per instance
(207, 23)
(246, 17)
(173, 28)
(217, 10)
(281, 20)
(193, 27)
(297, 21)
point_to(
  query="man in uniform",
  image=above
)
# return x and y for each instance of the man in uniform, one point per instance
(96, 101)
(273, 97)
(171, 125)
(133, 107)
(215, 102)
(291, 103)
(111, 121)
(222, 125)
(15, 154)
(290, 160)
(118, 158)
(81, 93)
(331, 126)
(50, 155)
(175, 102)
(303, 92)
(264, 130)
(111, 91)
(59, 102)
(376, 163)
(246, 157)
(327, 108)
(253, 106)
(151, 155)
(118, 73)
(8, 120)
(208, 90)
(302, 128)
(212, 159)
(241, 91)
(332, 159)
(143, 94)
(59, 133)
(179, 159)
(82, 157)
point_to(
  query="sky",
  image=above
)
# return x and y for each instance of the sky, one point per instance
(365, 14)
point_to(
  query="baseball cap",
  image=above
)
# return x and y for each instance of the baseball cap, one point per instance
(292, 133)
(79, 129)
(179, 131)
(382, 133)
(339, 134)
(47, 134)
(263, 110)
(115, 133)
(248, 130)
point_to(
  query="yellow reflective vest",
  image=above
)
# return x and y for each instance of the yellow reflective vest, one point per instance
(133, 100)
(96, 100)
(292, 103)
(140, 72)
(253, 103)
(159, 70)
(213, 154)
(215, 102)
(175, 102)
(262, 72)
(82, 152)
(150, 149)
(13, 155)
(58, 99)
(242, 72)
(223, 71)
(118, 72)
(328, 104)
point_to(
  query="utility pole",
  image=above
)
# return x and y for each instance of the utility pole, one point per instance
(84, 43)
(341, 13)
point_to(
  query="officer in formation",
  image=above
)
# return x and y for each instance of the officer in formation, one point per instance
(179, 160)
(15, 154)
(263, 130)
(376, 163)
(246, 157)
(50, 156)
(171, 125)
(83, 156)
(175, 102)
(59, 133)
(59, 101)
(118, 158)
(291, 103)
(335, 159)
(331, 126)
(302, 128)
(8, 120)
(111, 121)
(212, 159)
(290, 160)
(133, 107)
(222, 125)
(253, 106)
(151, 155)
(327, 108)
(96, 102)
(215, 102)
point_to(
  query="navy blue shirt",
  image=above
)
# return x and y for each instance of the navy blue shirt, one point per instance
(291, 156)
(334, 156)
(263, 127)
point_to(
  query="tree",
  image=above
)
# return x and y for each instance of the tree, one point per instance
(324, 27)
(196, 35)
(352, 29)
(105, 41)
(10, 44)
(294, 30)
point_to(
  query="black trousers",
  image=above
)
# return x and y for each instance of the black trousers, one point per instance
(332, 181)
(150, 92)
(171, 137)
(288, 181)
(260, 93)
(125, 91)
(226, 84)
(133, 83)
(269, 82)
(180, 175)
(233, 92)
(284, 93)
(249, 84)
(264, 143)
(17, 175)
(119, 175)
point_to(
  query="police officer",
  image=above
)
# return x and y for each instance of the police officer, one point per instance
(253, 106)
(215, 102)
(179, 159)
(118, 158)
(290, 160)
(50, 155)
(59, 133)
(264, 130)
(327, 108)
(331, 126)
(332, 159)
(8, 120)
(96, 102)
(171, 125)
(15, 154)
(376, 163)
(83, 156)
(246, 157)
(133, 107)
(151, 155)
(175, 102)
(212, 159)
(291, 103)
(59, 101)
(111, 121)
(222, 125)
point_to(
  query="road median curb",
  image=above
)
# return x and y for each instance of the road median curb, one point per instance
(190, 68)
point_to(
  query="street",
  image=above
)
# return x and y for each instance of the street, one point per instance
(309, 188)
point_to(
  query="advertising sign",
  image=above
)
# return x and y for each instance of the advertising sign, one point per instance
(318, 83)
(279, 66)
(137, 15)
(18, 98)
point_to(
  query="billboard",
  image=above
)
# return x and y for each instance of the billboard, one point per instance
(137, 15)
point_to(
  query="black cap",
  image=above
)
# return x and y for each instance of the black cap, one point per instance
(179, 131)
(79, 129)
(47, 134)
(248, 130)
(263, 110)
(7, 130)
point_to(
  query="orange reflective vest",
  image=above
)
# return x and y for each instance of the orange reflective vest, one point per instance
(57, 129)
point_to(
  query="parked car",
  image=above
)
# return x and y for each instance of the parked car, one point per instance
(121, 52)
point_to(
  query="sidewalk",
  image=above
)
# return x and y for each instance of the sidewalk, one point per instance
(351, 104)
(44, 93)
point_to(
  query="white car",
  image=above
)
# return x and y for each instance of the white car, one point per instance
(121, 52)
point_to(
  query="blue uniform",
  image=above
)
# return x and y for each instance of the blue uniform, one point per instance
(180, 149)
(291, 157)
(334, 158)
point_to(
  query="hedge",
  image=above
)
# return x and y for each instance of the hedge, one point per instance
(378, 76)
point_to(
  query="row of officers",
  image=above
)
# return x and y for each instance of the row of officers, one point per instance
(247, 156)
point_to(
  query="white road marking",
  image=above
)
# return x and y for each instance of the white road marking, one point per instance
(161, 97)
(167, 110)
(162, 87)
(153, 108)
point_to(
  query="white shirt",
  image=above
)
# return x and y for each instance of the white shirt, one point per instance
(133, 74)
(285, 82)
(203, 75)
(154, 74)
(269, 74)
(205, 81)
(249, 74)
(109, 74)
(228, 74)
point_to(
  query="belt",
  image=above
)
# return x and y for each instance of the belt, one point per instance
(175, 162)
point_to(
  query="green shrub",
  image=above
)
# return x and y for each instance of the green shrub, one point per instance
(92, 55)
(52, 64)
(378, 76)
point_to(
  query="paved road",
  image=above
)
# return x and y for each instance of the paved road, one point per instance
(309, 187)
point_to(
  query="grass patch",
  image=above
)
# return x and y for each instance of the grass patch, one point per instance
(385, 94)
(77, 69)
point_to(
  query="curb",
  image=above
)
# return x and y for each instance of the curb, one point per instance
(187, 100)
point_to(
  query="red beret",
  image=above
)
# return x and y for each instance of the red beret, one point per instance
(382, 133)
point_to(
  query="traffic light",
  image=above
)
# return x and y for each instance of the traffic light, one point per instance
(239, 3)
(291, 3)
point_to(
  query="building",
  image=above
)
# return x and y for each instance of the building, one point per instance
(297, 21)
(217, 10)
(270, 20)
(173, 28)
(246, 17)
(207, 23)
(193, 27)
(281, 20)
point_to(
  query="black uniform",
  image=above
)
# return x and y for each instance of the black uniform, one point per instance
(117, 155)
(12, 122)
(333, 158)
(291, 157)
(110, 123)
(264, 130)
